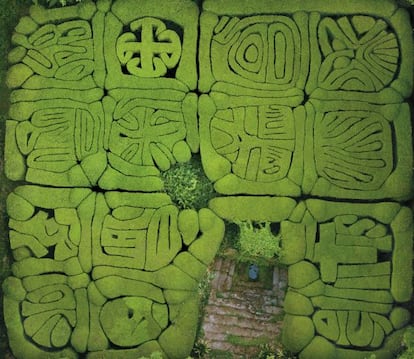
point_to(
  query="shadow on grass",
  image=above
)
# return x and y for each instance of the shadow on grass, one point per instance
(10, 12)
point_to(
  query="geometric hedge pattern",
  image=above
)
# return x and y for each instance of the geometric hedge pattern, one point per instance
(299, 112)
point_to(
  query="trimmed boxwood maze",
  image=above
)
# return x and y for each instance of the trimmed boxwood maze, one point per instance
(299, 112)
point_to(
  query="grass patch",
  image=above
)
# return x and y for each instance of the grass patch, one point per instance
(220, 354)
(247, 342)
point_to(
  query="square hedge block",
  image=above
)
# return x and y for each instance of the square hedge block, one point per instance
(104, 274)
(353, 280)
(151, 46)
(362, 47)
(252, 145)
(266, 53)
(120, 141)
(56, 144)
(349, 65)
(357, 150)
(101, 94)
(145, 136)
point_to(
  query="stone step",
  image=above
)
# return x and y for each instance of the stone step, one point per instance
(231, 303)
(272, 309)
(242, 327)
(217, 264)
(246, 284)
(224, 282)
(236, 301)
(237, 351)
(243, 309)
(226, 265)
(267, 299)
(242, 321)
(214, 336)
(223, 310)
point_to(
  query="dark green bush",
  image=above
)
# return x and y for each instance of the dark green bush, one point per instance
(187, 185)
(54, 3)
(200, 349)
(408, 344)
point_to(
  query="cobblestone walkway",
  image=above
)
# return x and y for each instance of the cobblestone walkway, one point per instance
(241, 314)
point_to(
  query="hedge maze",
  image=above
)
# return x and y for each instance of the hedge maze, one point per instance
(299, 111)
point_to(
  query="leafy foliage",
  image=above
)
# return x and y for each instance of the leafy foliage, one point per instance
(258, 241)
(54, 3)
(187, 185)
(408, 344)
(200, 349)
(269, 352)
(247, 241)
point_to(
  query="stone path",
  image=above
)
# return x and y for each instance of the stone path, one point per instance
(241, 314)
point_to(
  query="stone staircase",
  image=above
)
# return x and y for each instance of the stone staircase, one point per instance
(242, 314)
